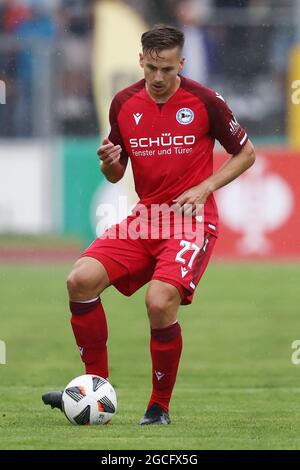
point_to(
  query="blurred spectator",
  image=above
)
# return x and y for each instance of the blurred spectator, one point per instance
(2, 11)
(245, 42)
(231, 3)
(76, 107)
(199, 47)
(77, 16)
(155, 11)
(38, 27)
(47, 47)
(283, 39)
(12, 14)
(34, 51)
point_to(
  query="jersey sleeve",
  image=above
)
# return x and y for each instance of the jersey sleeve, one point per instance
(115, 134)
(223, 125)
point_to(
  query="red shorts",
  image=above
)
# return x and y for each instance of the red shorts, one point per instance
(130, 264)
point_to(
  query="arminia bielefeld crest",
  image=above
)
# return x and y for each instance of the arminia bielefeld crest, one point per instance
(185, 116)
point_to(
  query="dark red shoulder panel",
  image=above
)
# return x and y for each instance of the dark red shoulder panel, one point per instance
(223, 124)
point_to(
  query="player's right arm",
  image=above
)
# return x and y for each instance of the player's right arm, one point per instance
(112, 164)
(112, 154)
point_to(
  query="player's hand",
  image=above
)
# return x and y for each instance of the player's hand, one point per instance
(191, 201)
(109, 153)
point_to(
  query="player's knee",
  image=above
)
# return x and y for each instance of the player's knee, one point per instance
(77, 282)
(158, 303)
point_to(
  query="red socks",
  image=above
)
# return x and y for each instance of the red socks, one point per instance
(90, 329)
(165, 347)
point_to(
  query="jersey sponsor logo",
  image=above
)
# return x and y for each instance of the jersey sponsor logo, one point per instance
(159, 375)
(164, 140)
(185, 116)
(137, 117)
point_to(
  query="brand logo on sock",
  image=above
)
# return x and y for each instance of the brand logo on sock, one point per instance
(81, 350)
(159, 375)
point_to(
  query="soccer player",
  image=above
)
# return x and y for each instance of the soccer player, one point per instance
(167, 125)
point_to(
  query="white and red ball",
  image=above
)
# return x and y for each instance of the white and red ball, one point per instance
(89, 399)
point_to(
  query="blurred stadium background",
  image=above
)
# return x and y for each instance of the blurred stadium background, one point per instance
(61, 61)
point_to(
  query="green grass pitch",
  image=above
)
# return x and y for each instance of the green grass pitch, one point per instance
(236, 389)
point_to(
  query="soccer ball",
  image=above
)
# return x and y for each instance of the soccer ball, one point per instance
(89, 399)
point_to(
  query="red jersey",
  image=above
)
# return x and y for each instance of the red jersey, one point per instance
(171, 145)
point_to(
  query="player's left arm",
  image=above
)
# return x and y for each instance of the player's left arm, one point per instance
(225, 128)
(232, 169)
